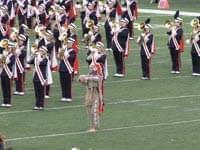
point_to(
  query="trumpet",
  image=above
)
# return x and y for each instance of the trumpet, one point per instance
(168, 24)
(89, 24)
(114, 25)
(194, 22)
(141, 26)
(63, 37)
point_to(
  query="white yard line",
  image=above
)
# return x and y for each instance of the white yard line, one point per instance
(110, 103)
(107, 130)
(125, 80)
(168, 12)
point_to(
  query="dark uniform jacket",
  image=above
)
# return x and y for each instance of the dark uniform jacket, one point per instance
(148, 43)
(71, 59)
(178, 37)
(122, 38)
(10, 65)
(43, 68)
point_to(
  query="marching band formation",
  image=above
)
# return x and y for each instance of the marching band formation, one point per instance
(55, 46)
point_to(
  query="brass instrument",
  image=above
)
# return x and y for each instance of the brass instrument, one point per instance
(141, 26)
(4, 43)
(63, 37)
(55, 9)
(114, 25)
(89, 24)
(194, 23)
(168, 24)
(8, 47)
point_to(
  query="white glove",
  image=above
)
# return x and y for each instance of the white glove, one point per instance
(39, 58)
(174, 33)
(18, 51)
(66, 54)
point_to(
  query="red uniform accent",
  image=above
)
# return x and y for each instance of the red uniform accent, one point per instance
(136, 11)
(99, 69)
(8, 30)
(119, 9)
(76, 62)
(72, 12)
(182, 45)
(163, 4)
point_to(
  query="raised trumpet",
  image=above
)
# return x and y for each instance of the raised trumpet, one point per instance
(63, 37)
(168, 24)
(90, 24)
(141, 26)
(194, 22)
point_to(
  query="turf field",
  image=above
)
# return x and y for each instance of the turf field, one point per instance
(160, 114)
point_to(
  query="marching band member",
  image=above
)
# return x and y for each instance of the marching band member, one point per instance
(7, 70)
(93, 97)
(4, 23)
(146, 41)
(22, 11)
(4, 26)
(90, 16)
(20, 55)
(95, 36)
(131, 13)
(98, 55)
(42, 76)
(82, 15)
(72, 33)
(50, 45)
(67, 57)
(69, 9)
(41, 15)
(195, 50)
(111, 18)
(120, 47)
(31, 14)
(176, 43)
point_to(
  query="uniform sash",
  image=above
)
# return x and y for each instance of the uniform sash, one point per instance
(120, 49)
(67, 64)
(38, 71)
(196, 45)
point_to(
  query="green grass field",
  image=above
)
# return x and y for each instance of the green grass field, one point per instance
(160, 114)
